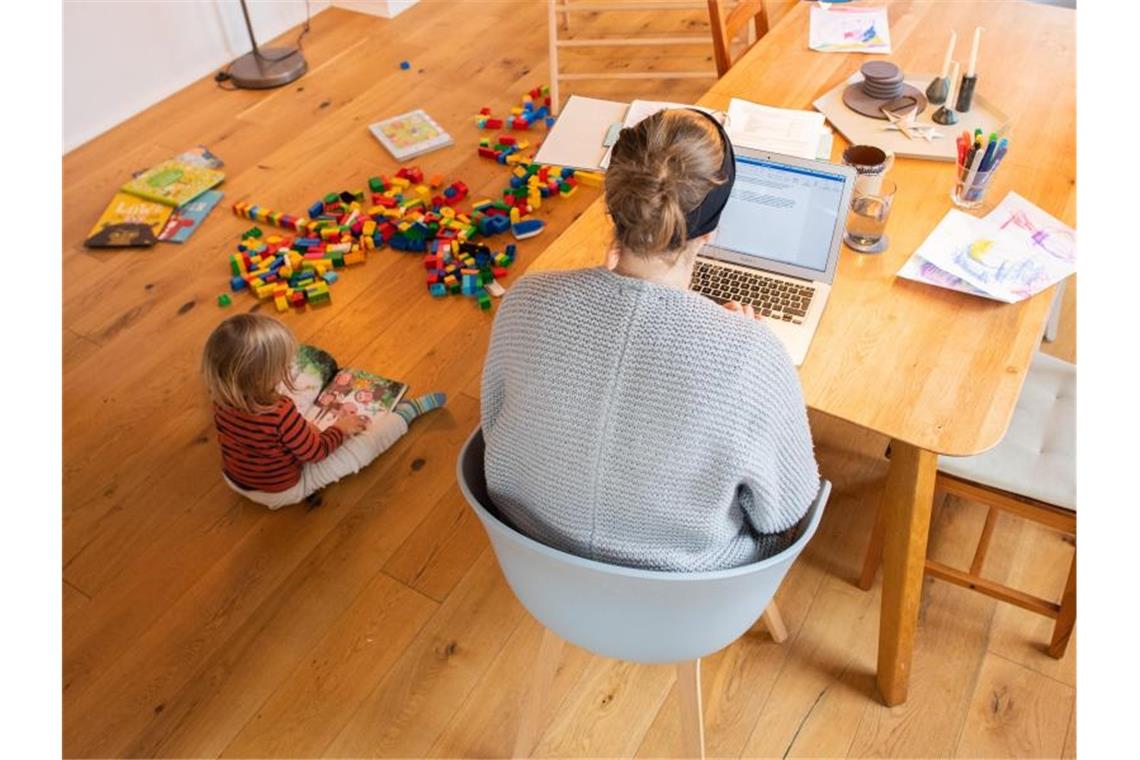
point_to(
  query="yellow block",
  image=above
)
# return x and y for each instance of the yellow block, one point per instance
(282, 304)
(590, 179)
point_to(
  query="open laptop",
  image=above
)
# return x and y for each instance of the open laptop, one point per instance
(777, 245)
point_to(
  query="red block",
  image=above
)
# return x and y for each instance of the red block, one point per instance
(485, 111)
(506, 140)
(499, 272)
(494, 124)
(489, 153)
(520, 123)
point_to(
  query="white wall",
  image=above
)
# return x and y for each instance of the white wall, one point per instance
(121, 56)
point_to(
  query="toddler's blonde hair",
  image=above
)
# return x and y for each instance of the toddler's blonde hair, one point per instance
(247, 358)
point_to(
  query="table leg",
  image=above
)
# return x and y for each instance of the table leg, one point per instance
(907, 500)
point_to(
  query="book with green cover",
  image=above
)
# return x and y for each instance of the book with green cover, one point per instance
(173, 182)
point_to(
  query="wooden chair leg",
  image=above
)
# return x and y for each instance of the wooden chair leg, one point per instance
(984, 542)
(774, 623)
(1067, 616)
(874, 556)
(552, 22)
(689, 700)
(544, 669)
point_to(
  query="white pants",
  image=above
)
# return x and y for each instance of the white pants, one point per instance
(355, 453)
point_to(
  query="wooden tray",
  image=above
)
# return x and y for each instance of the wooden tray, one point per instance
(862, 130)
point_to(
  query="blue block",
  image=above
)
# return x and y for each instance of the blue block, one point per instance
(237, 283)
(405, 65)
(331, 277)
(437, 289)
(527, 228)
(510, 249)
(317, 209)
(549, 121)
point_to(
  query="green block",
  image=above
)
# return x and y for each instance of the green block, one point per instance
(252, 232)
(455, 289)
(332, 198)
(224, 300)
(375, 184)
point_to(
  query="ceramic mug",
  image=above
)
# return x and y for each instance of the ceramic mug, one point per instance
(870, 163)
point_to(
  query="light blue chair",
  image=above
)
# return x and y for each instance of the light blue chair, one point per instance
(626, 613)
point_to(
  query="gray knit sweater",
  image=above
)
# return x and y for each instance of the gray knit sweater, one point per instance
(641, 425)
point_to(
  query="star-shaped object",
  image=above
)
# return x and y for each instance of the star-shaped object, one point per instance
(907, 123)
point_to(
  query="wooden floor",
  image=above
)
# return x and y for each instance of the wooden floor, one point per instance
(197, 624)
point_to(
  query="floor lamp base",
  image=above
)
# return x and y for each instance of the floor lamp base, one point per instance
(273, 68)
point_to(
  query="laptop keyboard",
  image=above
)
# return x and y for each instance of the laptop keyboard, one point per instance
(769, 296)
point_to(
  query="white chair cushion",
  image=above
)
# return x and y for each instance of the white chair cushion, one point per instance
(1037, 457)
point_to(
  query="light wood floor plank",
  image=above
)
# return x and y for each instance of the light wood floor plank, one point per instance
(313, 702)
(409, 709)
(486, 723)
(1014, 713)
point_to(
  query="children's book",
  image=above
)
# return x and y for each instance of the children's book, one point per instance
(128, 222)
(200, 155)
(410, 134)
(173, 182)
(325, 391)
(186, 218)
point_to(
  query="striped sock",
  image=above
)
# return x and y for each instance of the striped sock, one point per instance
(409, 410)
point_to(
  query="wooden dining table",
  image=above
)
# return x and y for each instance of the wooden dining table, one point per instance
(936, 371)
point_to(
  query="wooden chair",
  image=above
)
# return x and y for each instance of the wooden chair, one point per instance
(726, 24)
(563, 9)
(1032, 474)
(626, 613)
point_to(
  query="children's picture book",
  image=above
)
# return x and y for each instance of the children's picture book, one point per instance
(410, 134)
(186, 218)
(128, 222)
(325, 391)
(200, 155)
(849, 30)
(173, 182)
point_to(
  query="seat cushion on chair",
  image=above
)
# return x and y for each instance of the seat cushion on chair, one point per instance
(1037, 457)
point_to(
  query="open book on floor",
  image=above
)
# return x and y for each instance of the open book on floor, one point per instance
(324, 391)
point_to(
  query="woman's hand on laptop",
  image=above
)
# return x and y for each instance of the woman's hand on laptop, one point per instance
(745, 309)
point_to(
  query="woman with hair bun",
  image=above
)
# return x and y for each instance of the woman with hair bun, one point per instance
(630, 420)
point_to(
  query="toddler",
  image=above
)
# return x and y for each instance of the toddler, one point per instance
(270, 453)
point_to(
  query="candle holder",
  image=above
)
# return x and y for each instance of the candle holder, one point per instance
(945, 116)
(937, 90)
(966, 94)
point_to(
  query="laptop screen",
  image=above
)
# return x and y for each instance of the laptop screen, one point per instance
(781, 213)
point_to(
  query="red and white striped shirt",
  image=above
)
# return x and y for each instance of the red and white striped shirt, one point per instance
(265, 452)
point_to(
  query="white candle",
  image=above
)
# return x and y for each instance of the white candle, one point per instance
(949, 53)
(952, 96)
(974, 52)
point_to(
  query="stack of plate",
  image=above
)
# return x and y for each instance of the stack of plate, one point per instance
(882, 87)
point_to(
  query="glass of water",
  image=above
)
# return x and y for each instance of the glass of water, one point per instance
(867, 219)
